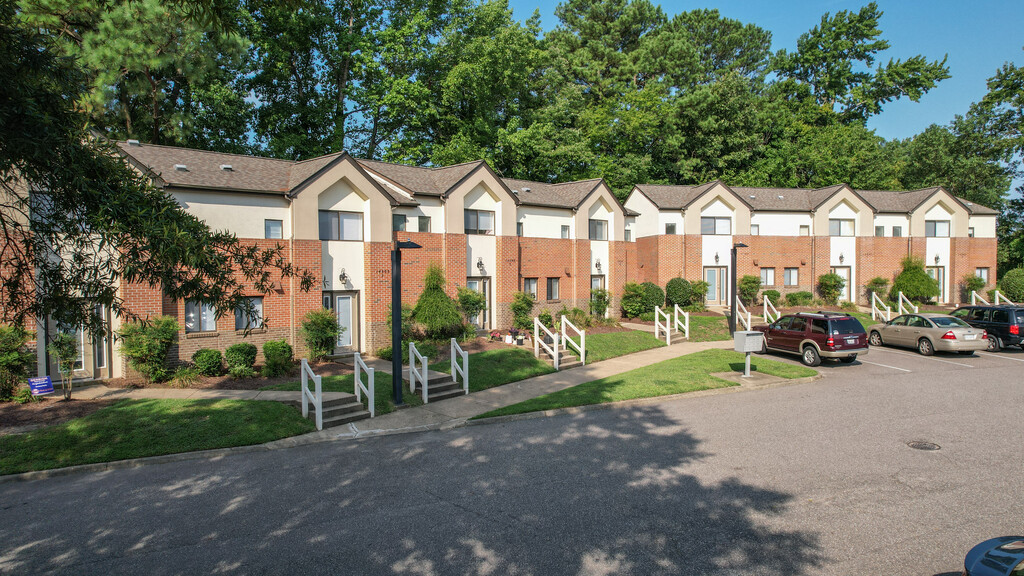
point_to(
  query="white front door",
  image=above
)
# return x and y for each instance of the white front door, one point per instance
(938, 273)
(844, 273)
(717, 279)
(343, 310)
(480, 285)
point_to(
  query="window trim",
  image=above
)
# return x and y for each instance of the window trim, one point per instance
(601, 225)
(262, 318)
(785, 276)
(404, 227)
(565, 232)
(840, 221)
(519, 229)
(628, 235)
(716, 220)
(477, 231)
(266, 229)
(755, 229)
(879, 231)
(419, 223)
(536, 286)
(203, 306)
(897, 231)
(763, 275)
(362, 226)
(803, 227)
(935, 228)
(673, 227)
(547, 286)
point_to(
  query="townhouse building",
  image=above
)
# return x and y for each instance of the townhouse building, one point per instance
(338, 216)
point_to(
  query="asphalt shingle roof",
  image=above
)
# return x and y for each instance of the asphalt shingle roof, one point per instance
(203, 168)
(426, 181)
(564, 195)
(672, 197)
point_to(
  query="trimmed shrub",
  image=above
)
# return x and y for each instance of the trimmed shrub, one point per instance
(546, 319)
(773, 295)
(208, 361)
(146, 344)
(653, 296)
(632, 300)
(15, 359)
(599, 300)
(830, 286)
(914, 282)
(522, 308)
(646, 317)
(435, 310)
(186, 376)
(848, 306)
(427, 349)
(972, 283)
(239, 356)
(878, 285)
(698, 295)
(320, 331)
(678, 291)
(991, 293)
(277, 355)
(748, 288)
(471, 302)
(1012, 285)
(802, 298)
(577, 316)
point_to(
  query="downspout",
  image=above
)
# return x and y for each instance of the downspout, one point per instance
(291, 279)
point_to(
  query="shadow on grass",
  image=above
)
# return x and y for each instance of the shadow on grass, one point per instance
(609, 492)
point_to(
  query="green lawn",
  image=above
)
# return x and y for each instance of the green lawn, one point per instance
(139, 428)
(500, 366)
(382, 392)
(711, 328)
(683, 374)
(612, 344)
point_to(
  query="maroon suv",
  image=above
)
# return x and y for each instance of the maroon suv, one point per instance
(816, 336)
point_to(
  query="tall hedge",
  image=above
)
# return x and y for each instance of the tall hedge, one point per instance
(678, 291)
(435, 310)
(146, 344)
(914, 282)
(1012, 285)
(653, 296)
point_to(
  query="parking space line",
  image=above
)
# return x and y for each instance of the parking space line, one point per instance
(883, 365)
(1001, 356)
(928, 358)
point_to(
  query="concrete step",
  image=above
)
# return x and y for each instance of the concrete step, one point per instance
(338, 410)
(345, 418)
(432, 377)
(569, 364)
(436, 396)
(562, 354)
(344, 400)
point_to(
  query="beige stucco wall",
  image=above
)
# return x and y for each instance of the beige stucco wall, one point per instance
(940, 203)
(600, 205)
(481, 191)
(646, 224)
(241, 214)
(865, 216)
(342, 187)
(717, 193)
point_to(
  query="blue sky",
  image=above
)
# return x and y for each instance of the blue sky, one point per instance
(978, 36)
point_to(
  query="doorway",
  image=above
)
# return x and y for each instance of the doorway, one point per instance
(94, 351)
(717, 278)
(938, 273)
(844, 273)
(483, 286)
(346, 309)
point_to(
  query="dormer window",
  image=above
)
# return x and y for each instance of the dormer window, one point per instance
(840, 227)
(479, 222)
(715, 226)
(936, 228)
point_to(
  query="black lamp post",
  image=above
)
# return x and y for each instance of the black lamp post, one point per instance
(396, 318)
(732, 292)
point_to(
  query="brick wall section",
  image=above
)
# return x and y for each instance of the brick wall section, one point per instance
(969, 254)
(377, 293)
(544, 258)
(455, 254)
(622, 256)
(878, 257)
(647, 259)
(778, 252)
(579, 297)
(821, 264)
(671, 258)
(693, 264)
(415, 264)
(506, 279)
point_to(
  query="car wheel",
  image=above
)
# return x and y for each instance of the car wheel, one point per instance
(849, 359)
(810, 357)
(924, 346)
(993, 343)
(875, 339)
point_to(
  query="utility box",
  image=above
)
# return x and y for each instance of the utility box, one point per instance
(751, 341)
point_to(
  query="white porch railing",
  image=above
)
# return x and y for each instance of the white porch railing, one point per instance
(975, 298)
(742, 315)
(879, 308)
(538, 343)
(999, 296)
(566, 341)
(771, 313)
(316, 397)
(360, 388)
(659, 326)
(909, 305)
(457, 353)
(685, 323)
(414, 374)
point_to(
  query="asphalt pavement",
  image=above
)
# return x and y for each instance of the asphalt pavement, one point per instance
(815, 478)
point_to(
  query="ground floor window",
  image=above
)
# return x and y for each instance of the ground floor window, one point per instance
(530, 287)
(199, 317)
(552, 289)
(792, 276)
(597, 282)
(250, 320)
(982, 273)
(768, 276)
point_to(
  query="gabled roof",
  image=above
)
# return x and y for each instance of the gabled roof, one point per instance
(563, 195)
(417, 180)
(673, 197)
(203, 168)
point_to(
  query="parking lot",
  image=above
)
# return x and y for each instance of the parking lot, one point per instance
(891, 361)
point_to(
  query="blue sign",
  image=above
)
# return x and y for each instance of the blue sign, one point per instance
(40, 386)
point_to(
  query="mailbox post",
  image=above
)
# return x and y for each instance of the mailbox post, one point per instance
(747, 342)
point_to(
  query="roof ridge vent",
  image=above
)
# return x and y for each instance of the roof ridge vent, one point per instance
(515, 191)
(227, 167)
(132, 142)
(181, 168)
(752, 196)
(526, 189)
(781, 196)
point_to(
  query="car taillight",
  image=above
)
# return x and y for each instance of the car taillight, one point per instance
(984, 334)
(1014, 329)
(949, 336)
(830, 342)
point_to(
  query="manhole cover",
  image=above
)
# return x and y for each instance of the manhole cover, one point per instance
(921, 445)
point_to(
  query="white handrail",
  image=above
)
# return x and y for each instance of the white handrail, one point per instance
(686, 318)
(316, 398)
(975, 297)
(368, 388)
(741, 308)
(877, 306)
(999, 296)
(658, 313)
(415, 355)
(566, 341)
(771, 313)
(538, 343)
(458, 352)
(910, 305)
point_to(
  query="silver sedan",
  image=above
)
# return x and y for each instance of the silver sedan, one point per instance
(929, 333)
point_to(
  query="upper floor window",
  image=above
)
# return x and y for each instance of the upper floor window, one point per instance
(629, 235)
(715, 225)
(565, 231)
(253, 319)
(199, 317)
(519, 228)
(598, 229)
(336, 225)
(424, 223)
(479, 222)
(897, 231)
(805, 230)
(970, 232)
(755, 229)
(879, 231)
(936, 228)
(840, 227)
(273, 229)
(399, 223)
(670, 228)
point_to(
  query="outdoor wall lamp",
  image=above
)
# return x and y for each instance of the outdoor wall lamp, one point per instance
(936, 259)
(716, 257)
(480, 264)
(325, 282)
(343, 277)
(841, 258)
(597, 265)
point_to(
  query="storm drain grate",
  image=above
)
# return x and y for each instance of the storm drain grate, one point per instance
(921, 445)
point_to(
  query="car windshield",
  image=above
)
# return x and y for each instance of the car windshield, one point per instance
(949, 322)
(846, 326)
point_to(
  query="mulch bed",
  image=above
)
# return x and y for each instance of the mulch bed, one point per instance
(16, 418)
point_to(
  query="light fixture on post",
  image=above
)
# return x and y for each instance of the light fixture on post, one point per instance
(480, 264)
(597, 265)
(343, 277)
(841, 258)
(732, 293)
